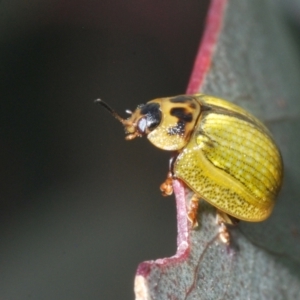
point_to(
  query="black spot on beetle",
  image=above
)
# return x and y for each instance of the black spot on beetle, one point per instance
(149, 108)
(181, 114)
(181, 99)
(178, 129)
(192, 105)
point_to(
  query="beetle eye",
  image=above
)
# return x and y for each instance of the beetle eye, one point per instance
(152, 116)
(142, 125)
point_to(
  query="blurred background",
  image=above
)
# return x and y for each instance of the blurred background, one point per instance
(80, 207)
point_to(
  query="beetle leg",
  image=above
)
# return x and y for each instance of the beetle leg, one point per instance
(222, 220)
(167, 186)
(193, 210)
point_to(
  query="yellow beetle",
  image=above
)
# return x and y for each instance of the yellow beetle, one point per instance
(222, 152)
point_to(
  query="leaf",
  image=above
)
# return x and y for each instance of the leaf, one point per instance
(248, 57)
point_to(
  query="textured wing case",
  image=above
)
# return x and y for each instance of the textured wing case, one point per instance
(231, 161)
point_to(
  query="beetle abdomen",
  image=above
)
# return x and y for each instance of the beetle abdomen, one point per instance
(233, 164)
(245, 153)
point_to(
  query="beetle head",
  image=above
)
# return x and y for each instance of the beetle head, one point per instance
(178, 121)
(142, 121)
(167, 122)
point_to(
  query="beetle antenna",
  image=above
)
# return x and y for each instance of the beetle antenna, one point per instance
(112, 111)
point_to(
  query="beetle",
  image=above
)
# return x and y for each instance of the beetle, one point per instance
(224, 154)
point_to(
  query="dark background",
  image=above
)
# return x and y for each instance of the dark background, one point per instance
(79, 206)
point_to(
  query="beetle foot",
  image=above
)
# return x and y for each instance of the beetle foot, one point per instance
(193, 211)
(222, 220)
(167, 186)
(224, 234)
